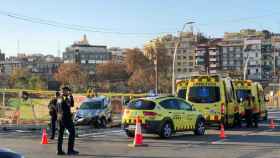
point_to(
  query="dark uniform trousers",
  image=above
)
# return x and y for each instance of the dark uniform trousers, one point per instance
(248, 117)
(69, 125)
(53, 125)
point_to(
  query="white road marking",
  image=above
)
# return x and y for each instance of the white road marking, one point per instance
(100, 133)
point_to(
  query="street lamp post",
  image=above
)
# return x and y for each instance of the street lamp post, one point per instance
(245, 68)
(175, 54)
(156, 74)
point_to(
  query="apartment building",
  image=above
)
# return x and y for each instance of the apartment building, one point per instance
(185, 59)
(252, 53)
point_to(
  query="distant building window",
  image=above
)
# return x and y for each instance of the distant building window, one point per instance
(224, 49)
(179, 70)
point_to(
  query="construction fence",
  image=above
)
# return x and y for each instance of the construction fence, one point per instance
(18, 111)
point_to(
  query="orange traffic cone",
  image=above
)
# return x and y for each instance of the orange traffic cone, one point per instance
(272, 124)
(222, 132)
(138, 138)
(44, 137)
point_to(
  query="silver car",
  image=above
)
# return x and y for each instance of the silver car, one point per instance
(94, 111)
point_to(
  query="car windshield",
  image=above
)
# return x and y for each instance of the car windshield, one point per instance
(204, 94)
(141, 104)
(91, 105)
(242, 94)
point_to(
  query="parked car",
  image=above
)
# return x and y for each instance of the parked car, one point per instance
(95, 111)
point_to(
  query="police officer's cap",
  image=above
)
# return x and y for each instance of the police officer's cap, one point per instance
(66, 88)
(57, 93)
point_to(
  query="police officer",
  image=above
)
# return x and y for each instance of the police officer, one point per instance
(53, 113)
(255, 116)
(65, 121)
(248, 111)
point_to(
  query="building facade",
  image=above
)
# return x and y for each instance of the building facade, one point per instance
(252, 53)
(118, 55)
(185, 59)
(88, 56)
(2, 56)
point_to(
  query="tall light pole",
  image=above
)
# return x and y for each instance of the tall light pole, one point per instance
(245, 68)
(156, 68)
(175, 54)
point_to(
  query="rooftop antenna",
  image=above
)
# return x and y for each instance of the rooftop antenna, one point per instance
(58, 49)
(18, 47)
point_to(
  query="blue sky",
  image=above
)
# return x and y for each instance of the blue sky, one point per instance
(212, 17)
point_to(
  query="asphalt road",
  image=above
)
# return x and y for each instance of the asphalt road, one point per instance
(240, 143)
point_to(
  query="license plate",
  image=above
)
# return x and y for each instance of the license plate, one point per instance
(131, 126)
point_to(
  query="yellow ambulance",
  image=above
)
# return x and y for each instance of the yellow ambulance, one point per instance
(181, 88)
(213, 96)
(245, 88)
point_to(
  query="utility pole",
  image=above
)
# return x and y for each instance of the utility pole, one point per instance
(18, 47)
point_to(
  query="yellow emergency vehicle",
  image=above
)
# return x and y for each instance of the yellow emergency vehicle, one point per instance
(246, 88)
(213, 96)
(181, 88)
(163, 116)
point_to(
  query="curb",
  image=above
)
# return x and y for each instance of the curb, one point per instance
(22, 127)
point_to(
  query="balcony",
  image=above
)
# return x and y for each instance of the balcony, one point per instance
(212, 53)
(199, 54)
(213, 65)
(213, 59)
(213, 71)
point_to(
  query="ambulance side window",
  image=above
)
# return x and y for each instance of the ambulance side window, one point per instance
(182, 93)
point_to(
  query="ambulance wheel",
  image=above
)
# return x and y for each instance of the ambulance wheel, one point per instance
(130, 134)
(166, 130)
(199, 127)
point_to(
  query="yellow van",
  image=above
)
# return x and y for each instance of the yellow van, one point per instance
(245, 88)
(213, 96)
(181, 88)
